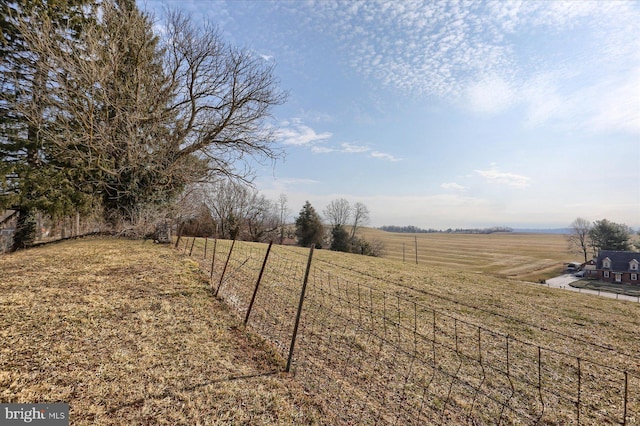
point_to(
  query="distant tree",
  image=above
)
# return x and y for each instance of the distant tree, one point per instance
(360, 218)
(283, 211)
(260, 217)
(340, 239)
(579, 237)
(240, 211)
(607, 235)
(309, 228)
(337, 212)
(368, 248)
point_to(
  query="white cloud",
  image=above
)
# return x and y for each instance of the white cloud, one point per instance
(453, 185)
(321, 149)
(384, 156)
(550, 57)
(503, 178)
(299, 134)
(352, 148)
(490, 94)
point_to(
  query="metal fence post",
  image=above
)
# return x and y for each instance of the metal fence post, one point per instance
(626, 397)
(255, 290)
(193, 242)
(295, 328)
(213, 260)
(179, 234)
(233, 243)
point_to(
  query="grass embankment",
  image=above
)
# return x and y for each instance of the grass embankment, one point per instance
(521, 256)
(615, 288)
(129, 333)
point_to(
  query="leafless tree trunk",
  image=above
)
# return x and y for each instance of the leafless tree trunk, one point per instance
(337, 212)
(579, 237)
(284, 212)
(360, 217)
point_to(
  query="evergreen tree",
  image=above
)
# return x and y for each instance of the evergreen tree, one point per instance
(31, 176)
(309, 228)
(340, 239)
(115, 115)
(607, 235)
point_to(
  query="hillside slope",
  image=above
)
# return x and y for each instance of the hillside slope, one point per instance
(129, 333)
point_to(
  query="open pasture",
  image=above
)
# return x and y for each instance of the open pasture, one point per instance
(128, 333)
(384, 341)
(132, 332)
(523, 256)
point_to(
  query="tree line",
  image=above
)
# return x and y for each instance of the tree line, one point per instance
(100, 112)
(590, 238)
(231, 210)
(344, 222)
(410, 229)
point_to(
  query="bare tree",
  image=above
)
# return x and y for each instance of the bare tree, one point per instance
(137, 117)
(261, 217)
(283, 211)
(223, 96)
(337, 212)
(225, 199)
(360, 218)
(241, 211)
(579, 237)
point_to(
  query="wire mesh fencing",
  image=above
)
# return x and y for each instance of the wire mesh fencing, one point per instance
(372, 355)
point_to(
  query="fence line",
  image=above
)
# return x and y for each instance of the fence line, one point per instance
(374, 356)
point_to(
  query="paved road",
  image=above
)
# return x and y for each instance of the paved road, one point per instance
(563, 282)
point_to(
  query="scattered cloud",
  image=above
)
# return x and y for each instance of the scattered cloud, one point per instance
(490, 94)
(493, 56)
(453, 186)
(351, 148)
(384, 156)
(298, 134)
(266, 57)
(321, 149)
(493, 175)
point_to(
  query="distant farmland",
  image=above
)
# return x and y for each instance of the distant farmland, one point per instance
(522, 256)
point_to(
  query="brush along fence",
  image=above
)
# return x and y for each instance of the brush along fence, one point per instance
(371, 353)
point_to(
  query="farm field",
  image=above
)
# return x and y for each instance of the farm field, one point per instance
(131, 331)
(456, 347)
(522, 256)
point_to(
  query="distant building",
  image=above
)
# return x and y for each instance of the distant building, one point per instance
(617, 267)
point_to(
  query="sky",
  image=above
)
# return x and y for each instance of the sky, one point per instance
(449, 114)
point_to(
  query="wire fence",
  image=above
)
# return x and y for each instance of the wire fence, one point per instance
(372, 355)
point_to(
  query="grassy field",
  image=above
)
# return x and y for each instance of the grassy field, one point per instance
(375, 328)
(129, 333)
(527, 257)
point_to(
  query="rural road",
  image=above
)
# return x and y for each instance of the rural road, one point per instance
(563, 282)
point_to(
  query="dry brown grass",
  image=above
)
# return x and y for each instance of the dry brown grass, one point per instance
(366, 340)
(129, 333)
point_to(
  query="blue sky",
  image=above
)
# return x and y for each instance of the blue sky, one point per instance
(453, 114)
